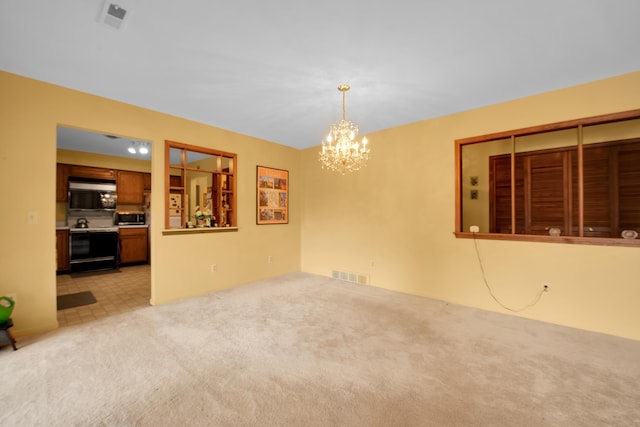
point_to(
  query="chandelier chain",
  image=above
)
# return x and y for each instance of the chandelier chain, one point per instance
(344, 105)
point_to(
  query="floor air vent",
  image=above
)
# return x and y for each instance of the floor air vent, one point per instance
(360, 279)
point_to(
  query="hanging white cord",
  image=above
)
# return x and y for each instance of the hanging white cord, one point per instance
(486, 283)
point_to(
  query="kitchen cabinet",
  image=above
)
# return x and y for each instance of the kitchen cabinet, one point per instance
(62, 250)
(147, 181)
(130, 187)
(64, 171)
(62, 181)
(92, 172)
(134, 245)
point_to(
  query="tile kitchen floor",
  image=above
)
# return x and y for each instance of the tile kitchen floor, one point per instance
(116, 292)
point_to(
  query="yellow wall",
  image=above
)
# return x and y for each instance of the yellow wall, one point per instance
(394, 221)
(30, 112)
(102, 161)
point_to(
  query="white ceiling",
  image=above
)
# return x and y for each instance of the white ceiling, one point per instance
(270, 69)
(93, 142)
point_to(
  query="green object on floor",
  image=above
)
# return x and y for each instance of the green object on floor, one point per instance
(6, 308)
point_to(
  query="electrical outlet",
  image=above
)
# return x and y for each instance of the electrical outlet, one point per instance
(269, 259)
(214, 268)
(474, 229)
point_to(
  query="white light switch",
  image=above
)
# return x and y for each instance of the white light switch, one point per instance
(32, 217)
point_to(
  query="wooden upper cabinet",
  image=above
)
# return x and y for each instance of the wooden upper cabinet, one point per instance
(147, 181)
(130, 187)
(91, 172)
(62, 181)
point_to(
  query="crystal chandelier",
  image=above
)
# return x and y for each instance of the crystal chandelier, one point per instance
(341, 152)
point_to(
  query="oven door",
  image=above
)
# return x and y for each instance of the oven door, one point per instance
(93, 250)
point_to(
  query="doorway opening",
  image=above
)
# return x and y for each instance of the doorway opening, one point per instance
(95, 281)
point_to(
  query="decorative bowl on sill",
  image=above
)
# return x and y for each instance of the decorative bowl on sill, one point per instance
(629, 234)
(554, 231)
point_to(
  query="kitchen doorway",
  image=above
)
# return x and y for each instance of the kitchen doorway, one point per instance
(87, 290)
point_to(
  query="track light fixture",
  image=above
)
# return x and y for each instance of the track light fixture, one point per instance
(138, 147)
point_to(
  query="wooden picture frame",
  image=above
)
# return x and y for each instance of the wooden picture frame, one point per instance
(272, 196)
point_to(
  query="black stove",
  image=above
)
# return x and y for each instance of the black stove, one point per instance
(93, 248)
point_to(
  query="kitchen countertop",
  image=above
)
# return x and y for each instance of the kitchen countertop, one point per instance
(66, 227)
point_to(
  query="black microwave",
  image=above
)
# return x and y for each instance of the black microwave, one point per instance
(130, 218)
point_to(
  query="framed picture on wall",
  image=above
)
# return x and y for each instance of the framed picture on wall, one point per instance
(272, 196)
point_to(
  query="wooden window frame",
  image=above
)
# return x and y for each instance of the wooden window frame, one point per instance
(224, 198)
(577, 124)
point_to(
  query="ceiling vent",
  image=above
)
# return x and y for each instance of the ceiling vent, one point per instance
(114, 15)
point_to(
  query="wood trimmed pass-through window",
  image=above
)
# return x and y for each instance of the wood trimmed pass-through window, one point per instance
(199, 180)
(574, 182)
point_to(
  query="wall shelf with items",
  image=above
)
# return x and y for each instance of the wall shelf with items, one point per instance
(176, 198)
(223, 196)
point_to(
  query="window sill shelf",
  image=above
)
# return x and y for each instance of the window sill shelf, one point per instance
(602, 241)
(174, 231)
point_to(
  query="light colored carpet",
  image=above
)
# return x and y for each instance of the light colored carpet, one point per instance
(305, 350)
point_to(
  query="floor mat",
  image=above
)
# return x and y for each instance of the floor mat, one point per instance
(75, 300)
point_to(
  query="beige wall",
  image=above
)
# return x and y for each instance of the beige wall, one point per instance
(102, 161)
(394, 221)
(30, 111)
